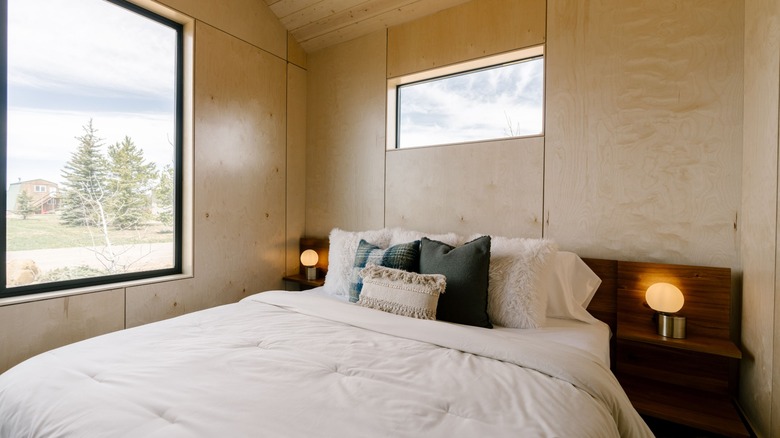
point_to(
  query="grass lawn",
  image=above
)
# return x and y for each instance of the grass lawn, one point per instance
(45, 231)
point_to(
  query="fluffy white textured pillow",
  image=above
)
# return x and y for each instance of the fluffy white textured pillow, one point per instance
(518, 267)
(401, 292)
(400, 235)
(341, 256)
(570, 286)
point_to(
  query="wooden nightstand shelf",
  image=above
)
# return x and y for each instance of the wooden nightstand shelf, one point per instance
(302, 282)
(689, 381)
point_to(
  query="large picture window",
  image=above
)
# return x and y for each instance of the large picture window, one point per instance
(492, 98)
(92, 145)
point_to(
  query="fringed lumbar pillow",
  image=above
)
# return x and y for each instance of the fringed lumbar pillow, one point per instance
(401, 292)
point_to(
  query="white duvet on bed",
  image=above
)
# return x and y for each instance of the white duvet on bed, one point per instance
(283, 364)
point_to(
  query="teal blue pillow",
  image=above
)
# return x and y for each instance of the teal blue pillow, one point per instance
(466, 268)
(404, 256)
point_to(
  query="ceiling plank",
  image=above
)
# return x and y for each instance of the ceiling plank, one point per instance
(321, 35)
(323, 10)
(283, 8)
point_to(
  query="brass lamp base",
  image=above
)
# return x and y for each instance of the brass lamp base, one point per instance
(311, 272)
(671, 326)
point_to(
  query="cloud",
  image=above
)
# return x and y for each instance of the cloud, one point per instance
(70, 61)
(475, 106)
(88, 43)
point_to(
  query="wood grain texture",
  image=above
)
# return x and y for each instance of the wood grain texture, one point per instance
(346, 136)
(643, 129)
(249, 20)
(317, 24)
(239, 181)
(493, 188)
(707, 293)
(473, 30)
(296, 165)
(295, 53)
(760, 373)
(32, 328)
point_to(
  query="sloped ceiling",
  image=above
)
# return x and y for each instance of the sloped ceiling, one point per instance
(317, 24)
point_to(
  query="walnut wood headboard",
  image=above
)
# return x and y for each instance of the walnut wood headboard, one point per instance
(621, 296)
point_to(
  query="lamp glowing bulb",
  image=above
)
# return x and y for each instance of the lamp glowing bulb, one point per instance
(667, 299)
(664, 298)
(309, 259)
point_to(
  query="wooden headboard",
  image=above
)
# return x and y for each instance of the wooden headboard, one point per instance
(621, 297)
(603, 306)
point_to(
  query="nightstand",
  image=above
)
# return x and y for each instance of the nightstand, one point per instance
(302, 283)
(691, 381)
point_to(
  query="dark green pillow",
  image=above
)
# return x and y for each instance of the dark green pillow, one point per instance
(466, 267)
(404, 256)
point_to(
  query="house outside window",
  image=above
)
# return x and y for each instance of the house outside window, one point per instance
(105, 79)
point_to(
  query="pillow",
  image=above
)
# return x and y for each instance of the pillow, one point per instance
(401, 292)
(341, 256)
(516, 294)
(466, 269)
(570, 286)
(400, 235)
(405, 256)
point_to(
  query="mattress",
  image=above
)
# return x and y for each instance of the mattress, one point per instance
(301, 365)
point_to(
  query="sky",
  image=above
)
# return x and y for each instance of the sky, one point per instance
(72, 61)
(474, 106)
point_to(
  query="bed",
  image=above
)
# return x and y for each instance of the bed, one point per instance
(297, 364)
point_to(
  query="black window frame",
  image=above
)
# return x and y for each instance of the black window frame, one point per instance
(106, 280)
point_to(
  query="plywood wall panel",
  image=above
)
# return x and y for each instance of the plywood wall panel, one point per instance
(760, 377)
(643, 129)
(473, 30)
(239, 180)
(32, 328)
(295, 53)
(346, 136)
(249, 20)
(296, 165)
(492, 188)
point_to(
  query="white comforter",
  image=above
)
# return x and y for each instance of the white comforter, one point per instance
(283, 364)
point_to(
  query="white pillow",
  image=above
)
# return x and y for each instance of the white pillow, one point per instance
(401, 292)
(518, 266)
(400, 235)
(570, 286)
(341, 256)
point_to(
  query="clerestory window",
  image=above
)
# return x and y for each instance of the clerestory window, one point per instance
(491, 98)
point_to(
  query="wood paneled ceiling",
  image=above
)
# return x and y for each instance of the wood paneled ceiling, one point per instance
(316, 24)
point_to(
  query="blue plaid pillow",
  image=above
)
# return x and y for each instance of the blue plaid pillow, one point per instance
(404, 256)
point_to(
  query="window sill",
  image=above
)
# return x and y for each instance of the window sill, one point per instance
(9, 301)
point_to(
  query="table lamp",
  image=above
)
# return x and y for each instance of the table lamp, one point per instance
(666, 299)
(309, 259)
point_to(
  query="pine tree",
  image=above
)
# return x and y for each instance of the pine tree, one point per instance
(163, 195)
(84, 189)
(131, 185)
(24, 204)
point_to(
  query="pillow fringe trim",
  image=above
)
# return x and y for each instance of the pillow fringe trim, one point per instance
(435, 281)
(398, 309)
